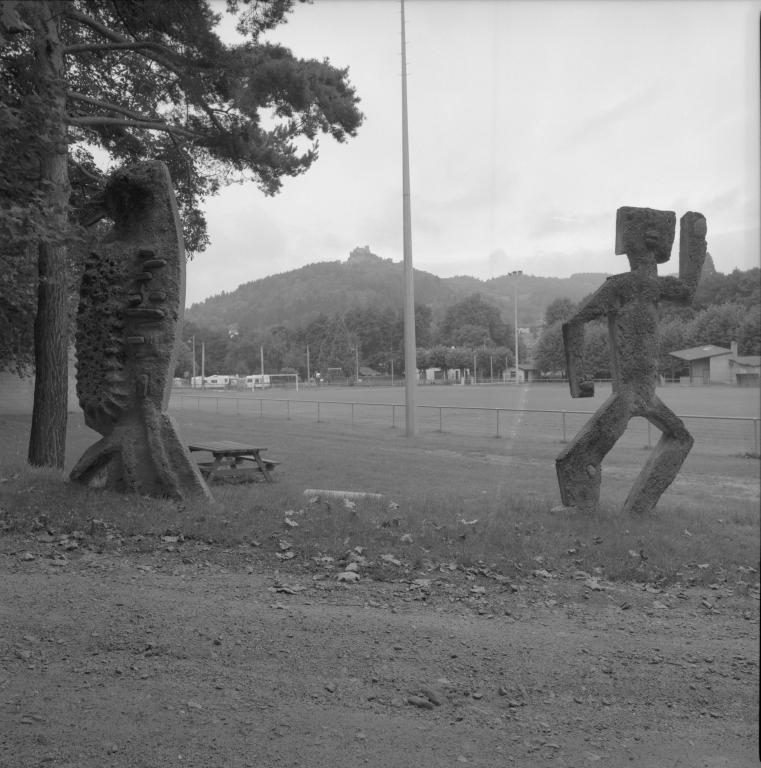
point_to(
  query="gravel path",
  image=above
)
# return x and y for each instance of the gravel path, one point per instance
(201, 657)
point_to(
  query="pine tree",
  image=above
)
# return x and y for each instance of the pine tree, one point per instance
(140, 80)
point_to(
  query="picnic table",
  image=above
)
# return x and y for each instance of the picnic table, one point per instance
(232, 459)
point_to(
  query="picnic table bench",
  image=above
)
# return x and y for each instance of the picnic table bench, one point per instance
(232, 459)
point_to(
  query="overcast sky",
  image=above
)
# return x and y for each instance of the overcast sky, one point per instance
(530, 123)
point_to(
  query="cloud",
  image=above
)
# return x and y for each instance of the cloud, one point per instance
(607, 118)
(723, 201)
(555, 222)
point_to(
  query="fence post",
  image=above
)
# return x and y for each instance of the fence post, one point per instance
(237, 406)
(198, 402)
(393, 415)
(440, 428)
(352, 414)
(318, 411)
(564, 440)
(217, 404)
(261, 407)
(182, 405)
(497, 422)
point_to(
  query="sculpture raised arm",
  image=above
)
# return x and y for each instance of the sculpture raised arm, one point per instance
(692, 254)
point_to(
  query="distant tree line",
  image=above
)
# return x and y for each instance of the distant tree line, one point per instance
(375, 337)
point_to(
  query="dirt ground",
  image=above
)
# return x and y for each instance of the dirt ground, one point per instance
(184, 654)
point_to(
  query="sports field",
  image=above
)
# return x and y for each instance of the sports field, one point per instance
(526, 420)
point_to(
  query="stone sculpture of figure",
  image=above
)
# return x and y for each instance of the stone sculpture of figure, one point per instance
(630, 302)
(132, 300)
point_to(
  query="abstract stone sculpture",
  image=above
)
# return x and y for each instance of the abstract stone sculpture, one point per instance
(630, 302)
(128, 334)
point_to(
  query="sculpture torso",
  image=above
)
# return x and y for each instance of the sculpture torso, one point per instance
(636, 334)
(131, 298)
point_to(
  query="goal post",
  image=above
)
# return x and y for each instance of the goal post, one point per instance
(284, 381)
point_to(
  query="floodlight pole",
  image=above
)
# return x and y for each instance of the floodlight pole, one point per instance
(410, 350)
(515, 289)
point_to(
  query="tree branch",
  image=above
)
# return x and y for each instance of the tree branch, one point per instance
(117, 47)
(85, 172)
(76, 15)
(96, 120)
(112, 107)
(188, 165)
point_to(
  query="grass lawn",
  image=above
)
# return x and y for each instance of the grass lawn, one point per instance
(709, 517)
(707, 401)
(373, 407)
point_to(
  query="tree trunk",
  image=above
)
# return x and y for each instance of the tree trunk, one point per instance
(47, 441)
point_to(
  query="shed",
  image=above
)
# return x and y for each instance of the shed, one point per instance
(528, 372)
(746, 370)
(710, 364)
(439, 374)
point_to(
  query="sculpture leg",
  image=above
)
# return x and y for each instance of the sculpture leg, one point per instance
(177, 474)
(665, 461)
(579, 466)
(93, 460)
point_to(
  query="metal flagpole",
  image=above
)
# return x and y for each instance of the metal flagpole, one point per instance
(516, 274)
(410, 351)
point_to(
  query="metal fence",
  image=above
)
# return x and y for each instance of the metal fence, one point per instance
(722, 435)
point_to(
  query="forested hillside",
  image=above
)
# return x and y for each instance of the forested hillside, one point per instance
(366, 280)
(344, 311)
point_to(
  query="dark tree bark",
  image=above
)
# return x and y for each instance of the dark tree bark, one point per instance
(48, 436)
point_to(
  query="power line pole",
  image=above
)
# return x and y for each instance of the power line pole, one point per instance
(410, 348)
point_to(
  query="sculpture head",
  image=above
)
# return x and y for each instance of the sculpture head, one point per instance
(641, 231)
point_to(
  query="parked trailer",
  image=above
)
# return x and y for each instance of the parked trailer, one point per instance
(258, 381)
(218, 381)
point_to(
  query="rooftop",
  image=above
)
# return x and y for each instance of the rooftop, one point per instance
(696, 353)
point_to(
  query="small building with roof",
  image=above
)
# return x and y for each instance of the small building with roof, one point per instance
(710, 364)
(526, 373)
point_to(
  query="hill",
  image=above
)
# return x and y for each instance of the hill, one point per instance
(365, 279)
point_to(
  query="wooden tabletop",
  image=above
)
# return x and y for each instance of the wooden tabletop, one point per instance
(225, 446)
